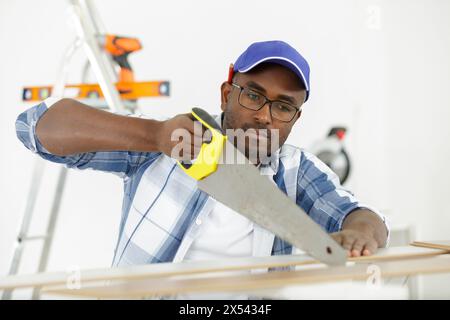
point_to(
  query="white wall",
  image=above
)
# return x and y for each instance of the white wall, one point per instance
(380, 68)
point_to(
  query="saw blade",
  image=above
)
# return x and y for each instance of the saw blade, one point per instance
(240, 186)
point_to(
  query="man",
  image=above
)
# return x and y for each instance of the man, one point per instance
(165, 217)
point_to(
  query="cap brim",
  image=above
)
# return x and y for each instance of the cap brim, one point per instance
(285, 63)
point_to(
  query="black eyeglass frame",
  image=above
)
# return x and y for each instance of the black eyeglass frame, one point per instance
(266, 100)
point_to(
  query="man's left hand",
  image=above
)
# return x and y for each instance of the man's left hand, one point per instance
(356, 243)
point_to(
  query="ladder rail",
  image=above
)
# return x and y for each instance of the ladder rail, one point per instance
(51, 224)
(36, 180)
(101, 65)
(88, 26)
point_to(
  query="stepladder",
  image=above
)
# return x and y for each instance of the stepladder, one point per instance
(116, 91)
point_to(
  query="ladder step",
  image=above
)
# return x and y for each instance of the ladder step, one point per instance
(31, 238)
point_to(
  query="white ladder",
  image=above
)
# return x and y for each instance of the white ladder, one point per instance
(88, 27)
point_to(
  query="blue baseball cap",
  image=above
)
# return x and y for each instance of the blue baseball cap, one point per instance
(277, 52)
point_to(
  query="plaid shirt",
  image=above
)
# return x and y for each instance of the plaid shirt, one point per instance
(163, 209)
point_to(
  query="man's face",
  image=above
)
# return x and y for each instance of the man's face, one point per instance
(276, 83)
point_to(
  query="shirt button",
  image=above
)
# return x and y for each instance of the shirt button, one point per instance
(198, 221)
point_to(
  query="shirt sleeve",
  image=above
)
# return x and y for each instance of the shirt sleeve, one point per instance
(321, 195)
(121, 163)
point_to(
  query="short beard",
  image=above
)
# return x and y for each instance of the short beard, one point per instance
(264, 150)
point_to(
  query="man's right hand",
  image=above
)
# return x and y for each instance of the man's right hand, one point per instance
(181, 137)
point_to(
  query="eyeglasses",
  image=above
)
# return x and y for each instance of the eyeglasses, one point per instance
(255, 101)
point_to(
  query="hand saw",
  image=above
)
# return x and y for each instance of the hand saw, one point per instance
(262, 202)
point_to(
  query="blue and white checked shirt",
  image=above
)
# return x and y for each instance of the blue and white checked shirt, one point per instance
(163, 208)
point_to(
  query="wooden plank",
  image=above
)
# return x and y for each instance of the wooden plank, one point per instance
(438, 244)
(154, 270)
(234, 283)
(198, 267)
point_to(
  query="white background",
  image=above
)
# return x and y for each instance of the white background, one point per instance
(381, 68)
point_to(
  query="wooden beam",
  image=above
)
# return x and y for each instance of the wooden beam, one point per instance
(197, 267)
(439, 244)
(234, 283)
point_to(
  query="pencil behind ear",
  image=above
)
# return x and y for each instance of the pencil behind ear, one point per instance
(230, 73)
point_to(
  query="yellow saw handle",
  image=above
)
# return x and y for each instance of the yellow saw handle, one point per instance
(210, 152)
